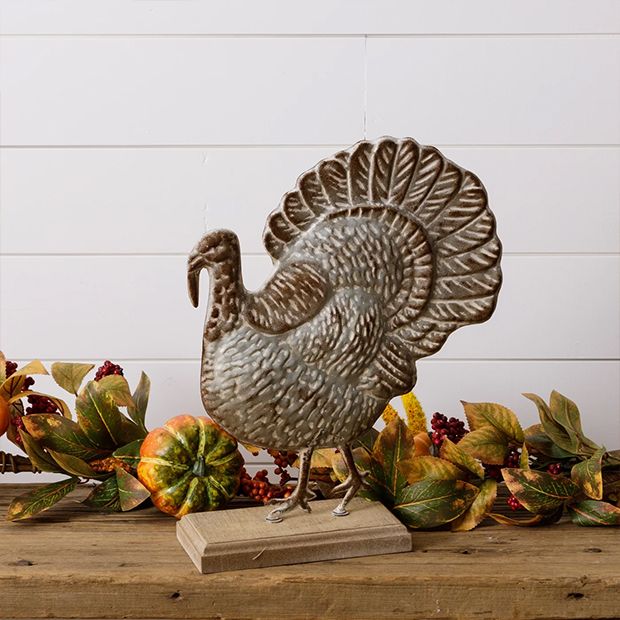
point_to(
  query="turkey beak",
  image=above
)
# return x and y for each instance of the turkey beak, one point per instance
(193, 281)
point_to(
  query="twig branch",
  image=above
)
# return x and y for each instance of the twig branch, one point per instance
(15, 464)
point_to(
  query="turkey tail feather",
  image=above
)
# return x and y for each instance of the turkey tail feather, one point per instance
(404, 219)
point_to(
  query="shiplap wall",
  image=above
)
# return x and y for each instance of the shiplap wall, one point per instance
(129, 127)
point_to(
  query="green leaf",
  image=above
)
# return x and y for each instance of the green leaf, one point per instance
(566, 413)
(430, 503)
(69, 376)
(39, 499)
(140, 401)
(37, 455)
(479, 509)
(451, 452)
(591, 512)
(129, 453)
(131, 492)
(588, 475)
(367, 440)
(118, 388)
(488, 444)
(130, 431)
(98, 416)
(105, 496)
(101, 420)
(502, 418)
(563, 437)
(74, 465)
(429, 468)
(394, 444)
(536, 438)
(54, 432)
(539, 491)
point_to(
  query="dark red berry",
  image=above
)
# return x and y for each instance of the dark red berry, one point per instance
(513, 458)
(108, 368)
(514, 503)
(554, 468)
(493, 471)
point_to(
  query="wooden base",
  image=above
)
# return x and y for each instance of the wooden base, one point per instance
(228, 540)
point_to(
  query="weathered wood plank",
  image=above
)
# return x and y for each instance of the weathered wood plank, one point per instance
(74, 563)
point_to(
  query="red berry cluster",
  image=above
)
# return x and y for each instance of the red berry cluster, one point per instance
(108, 368)
(453, 428)
(41, 404)
(282, 460)
(10, 368)
(38, 404)
(514, 503)
(554, 468)
(259, 488)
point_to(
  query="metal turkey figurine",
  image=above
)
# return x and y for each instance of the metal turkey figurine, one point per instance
(380, 252)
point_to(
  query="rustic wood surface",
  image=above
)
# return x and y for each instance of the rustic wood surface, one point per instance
(74, 563)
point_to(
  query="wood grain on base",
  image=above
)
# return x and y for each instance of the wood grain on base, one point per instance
(236, 539)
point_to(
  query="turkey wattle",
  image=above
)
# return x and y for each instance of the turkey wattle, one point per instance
(380, 252)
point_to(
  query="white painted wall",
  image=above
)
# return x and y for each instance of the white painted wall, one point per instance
(127, 128)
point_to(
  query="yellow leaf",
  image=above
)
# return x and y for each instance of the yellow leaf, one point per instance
(416, 419)
(33, 368)
(322, 458)
(480, 508)
(429, 468)
(389, 414)
(451, 452)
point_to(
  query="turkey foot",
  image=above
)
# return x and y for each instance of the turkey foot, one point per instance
(300, 496)
(351, 485)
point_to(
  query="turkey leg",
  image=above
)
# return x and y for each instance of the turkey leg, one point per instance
(351, 485)
(301, 494)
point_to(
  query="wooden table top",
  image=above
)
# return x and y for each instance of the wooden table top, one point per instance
(72, 562)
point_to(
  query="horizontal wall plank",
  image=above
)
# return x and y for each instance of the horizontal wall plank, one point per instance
(441, 385)
(495, 91)
(318, 17)
(181, 91)
(137, 307)
(160, 200)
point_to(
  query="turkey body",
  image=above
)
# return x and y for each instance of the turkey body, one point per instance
(380, 253)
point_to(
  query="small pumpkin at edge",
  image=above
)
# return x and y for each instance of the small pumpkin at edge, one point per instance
(190, 464)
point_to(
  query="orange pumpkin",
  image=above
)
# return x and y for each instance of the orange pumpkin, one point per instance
(5, 416)
(190, 465)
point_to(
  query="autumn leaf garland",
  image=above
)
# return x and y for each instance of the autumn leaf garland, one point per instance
(452, 486)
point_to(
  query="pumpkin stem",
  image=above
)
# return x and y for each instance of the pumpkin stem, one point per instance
(200, 467)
